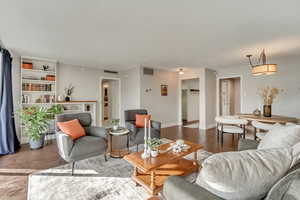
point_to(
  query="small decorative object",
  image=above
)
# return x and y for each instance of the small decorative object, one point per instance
(263, 68)
(267, 110)
(45, 67)
(257, 112)
(50, 77)
(147, 136)
(153, 145)
(268, 95)
(88, 107)
(164, 90)
(27, 65)
(60, 98)
(115, 124)
(179, 146)
(69, 91)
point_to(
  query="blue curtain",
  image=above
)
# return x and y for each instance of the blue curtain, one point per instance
(9, 142)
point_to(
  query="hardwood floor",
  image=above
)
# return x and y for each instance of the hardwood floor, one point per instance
(15, 168)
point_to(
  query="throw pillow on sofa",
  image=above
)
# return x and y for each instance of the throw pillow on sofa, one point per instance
(246, 174)
(280, 136)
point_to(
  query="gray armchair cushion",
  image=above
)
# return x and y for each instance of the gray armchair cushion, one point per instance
(85, 119)
(96, 131)
(177, 188)
(246, 144)
(138, 137)
(131, 126)
(86, 147)
(65, 145)
(94, 143)
(130, 114)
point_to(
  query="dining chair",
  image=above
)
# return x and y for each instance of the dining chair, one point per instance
(231, 125)
(261, 129)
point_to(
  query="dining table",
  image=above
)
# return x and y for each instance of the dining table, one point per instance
(271, 120)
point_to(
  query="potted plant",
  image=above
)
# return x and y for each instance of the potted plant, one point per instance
(35, 121)
(115, 124)
(69, 91)
(55, 109)
(268, 95)
(153, 144)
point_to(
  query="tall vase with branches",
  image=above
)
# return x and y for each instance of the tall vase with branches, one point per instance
(268, 95)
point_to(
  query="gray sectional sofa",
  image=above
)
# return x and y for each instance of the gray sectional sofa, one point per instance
(287, 188)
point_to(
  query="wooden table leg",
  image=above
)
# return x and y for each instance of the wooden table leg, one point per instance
(196, 159)
(136, 173)
(152, 184)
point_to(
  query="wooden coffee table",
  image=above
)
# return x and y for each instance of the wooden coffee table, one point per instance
(151, 173)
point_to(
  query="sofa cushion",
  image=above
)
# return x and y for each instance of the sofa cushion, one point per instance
(87, 146)
(280, 136)
(247, 174)
(72, 128)
(140, 120)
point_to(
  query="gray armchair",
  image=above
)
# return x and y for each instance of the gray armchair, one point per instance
(93, 144)
(137, 136)
(287, 188)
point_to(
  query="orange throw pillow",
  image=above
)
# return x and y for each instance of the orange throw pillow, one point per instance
(140, 120)
(73, 128)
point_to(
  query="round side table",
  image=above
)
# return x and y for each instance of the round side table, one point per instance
(118, 152)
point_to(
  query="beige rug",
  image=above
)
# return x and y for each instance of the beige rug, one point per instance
(94, 179)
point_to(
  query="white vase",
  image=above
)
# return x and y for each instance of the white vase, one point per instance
(154, 153)
(115, 127)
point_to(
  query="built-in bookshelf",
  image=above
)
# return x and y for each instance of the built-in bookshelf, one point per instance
(38, 85)
(39, 88)
(38, 80)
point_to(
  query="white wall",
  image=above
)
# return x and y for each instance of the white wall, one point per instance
(86, 82)
(287, 78)
(210, 98)
(131, 88)
(162, 108)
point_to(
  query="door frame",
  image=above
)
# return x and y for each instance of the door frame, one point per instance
(100, 98)
(180, 97)
(218, 92)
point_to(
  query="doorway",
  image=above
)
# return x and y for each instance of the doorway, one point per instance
(190, 102)
(110, 100)
(229, 96)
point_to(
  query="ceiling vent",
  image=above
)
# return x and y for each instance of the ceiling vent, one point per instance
(148, 71)
(110, 72)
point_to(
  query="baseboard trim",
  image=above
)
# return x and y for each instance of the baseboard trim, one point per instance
(211, 126)
(166, 125)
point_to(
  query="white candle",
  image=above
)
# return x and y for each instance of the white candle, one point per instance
(149, 129)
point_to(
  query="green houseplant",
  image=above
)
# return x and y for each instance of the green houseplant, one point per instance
(115, 124)
(154, 143)
(35, 121)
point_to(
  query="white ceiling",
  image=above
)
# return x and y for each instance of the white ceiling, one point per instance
(119, 34)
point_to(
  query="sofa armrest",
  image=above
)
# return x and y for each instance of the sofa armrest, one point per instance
(96, 131)
(156, 125)
(177, 188)
(246, 144)
(131, 126)
(64, 144)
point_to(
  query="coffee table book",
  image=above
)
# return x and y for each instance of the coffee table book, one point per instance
(152, 172)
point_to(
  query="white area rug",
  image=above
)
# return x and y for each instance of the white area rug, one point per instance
(93, 179)
(196, 125)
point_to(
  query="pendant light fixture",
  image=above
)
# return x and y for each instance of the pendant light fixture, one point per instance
(180, 72)
(263, 68)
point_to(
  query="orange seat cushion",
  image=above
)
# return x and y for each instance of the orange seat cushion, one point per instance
(140, 120)
(73, 128)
